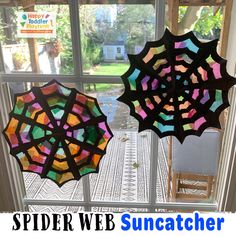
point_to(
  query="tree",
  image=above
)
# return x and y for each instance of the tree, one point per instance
(188, 18)
(7, 17)
(136, 24)
(90, 39)
(209, 24)
(205, 21)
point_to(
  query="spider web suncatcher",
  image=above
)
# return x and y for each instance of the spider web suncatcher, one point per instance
(57, 132)
(177, 86)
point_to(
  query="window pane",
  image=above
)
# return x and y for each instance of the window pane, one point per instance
(125, 169)
(188, 184)
(110, 32)
(41, 55)
(193, 169)
(45, 189)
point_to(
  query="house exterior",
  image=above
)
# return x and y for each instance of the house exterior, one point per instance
(114, 51)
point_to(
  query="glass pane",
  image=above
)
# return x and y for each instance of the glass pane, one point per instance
(188, 184)
(39, 55)
(110, 32)
(125, 169)
(38, 188)
(44, 189)
(193, 170)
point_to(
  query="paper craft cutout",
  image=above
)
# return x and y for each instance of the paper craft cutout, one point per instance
(57, 132)
(177, 86)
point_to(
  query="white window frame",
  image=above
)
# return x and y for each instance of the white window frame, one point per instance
(13, 173)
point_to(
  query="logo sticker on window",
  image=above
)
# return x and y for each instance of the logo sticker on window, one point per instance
(36, 25)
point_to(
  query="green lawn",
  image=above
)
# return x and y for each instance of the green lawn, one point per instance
(117, 69)
(101, 87)
(106, 87)
(111, 69)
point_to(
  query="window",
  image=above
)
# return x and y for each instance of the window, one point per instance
(118, 50)
(93, 41)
